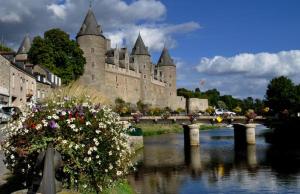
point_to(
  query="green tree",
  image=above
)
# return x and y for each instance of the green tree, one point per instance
(59, 54)
(281, 94)
(5, 48)
(213, 96)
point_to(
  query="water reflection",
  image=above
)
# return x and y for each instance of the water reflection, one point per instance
(216, 166)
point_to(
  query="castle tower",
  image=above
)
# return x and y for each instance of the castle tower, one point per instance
(168, 68)
(22, 54)
(142, 61)
(94, 46)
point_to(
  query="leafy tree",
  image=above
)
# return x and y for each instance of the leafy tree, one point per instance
(222, 104)
(59, 54)
(5, 48)
(281, 94)
(213, 96)
(237, 110)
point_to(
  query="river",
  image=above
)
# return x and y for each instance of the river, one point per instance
(217, 166)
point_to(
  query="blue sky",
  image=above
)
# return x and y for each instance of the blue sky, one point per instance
(236, 46)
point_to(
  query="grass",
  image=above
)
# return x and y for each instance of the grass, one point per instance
(158, 129)
(122, 187)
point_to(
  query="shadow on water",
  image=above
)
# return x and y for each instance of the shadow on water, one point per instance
(216, 166)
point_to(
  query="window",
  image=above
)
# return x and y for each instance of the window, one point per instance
(145, 76)
(116, 78)
(92, 50)
(93, 76)
(38, 94)
(144, 66)
(93, 64)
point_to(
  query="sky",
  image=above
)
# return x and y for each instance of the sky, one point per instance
(235, 46)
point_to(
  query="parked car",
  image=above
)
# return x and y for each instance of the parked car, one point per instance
(12, 111)
(222, 112)
(4, 117)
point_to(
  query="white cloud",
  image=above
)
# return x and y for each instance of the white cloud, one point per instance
(11, 17)
(285, 63)
(154, 36)
(58, 10)
(121, 21)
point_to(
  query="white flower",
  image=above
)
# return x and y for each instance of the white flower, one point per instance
(98, 131)
(110, 167)
(106, 170)
(75, 130)
(12, 157)
(49, 117)
(55, 117)
(89, 152)
(64, 141)
(119, 173)
(97, 156)
(26, 130)
(70, 146)
(38, 126)
(72, 126)
(110, 153)
(76, 147)
(102, 125)
(94, 148)
(84, 186)
(63, 113)
(88, 123)
(95, 140)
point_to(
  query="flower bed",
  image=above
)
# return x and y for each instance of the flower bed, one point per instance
(92, 142)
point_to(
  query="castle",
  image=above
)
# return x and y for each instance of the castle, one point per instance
(132, 77)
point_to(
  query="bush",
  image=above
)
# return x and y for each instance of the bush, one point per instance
(90, 138)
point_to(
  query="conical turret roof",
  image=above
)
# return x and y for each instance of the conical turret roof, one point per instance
(90, 25)
(165, 58)
(139, 47)
(25, 45)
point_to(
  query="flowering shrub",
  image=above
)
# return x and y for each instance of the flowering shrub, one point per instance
(250, 115)
(136, 116)
(90, 138)
(165, 115)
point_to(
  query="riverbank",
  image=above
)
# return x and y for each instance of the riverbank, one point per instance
(158, 129)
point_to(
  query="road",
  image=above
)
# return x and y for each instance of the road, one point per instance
(3, 169)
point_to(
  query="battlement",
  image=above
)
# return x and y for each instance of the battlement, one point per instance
(157, 82)
(122, 71)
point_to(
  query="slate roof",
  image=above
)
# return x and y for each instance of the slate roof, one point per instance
(139, 47)
(165, 59)
(25, 45)
(90, 25)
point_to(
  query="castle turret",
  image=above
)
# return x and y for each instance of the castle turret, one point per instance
(168, 68)
(94, 46)
(22, 54)
(142, 60)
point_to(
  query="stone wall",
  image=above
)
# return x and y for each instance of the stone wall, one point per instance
(4, 80)
(196, 105)
(177, 102)
(42, 90)
(94, 49)
(23, 86)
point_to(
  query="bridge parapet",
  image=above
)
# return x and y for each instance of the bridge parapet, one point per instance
(244, 134)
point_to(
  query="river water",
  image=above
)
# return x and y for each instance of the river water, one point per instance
(217, 166)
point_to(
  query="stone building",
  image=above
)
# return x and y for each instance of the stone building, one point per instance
(19, 85)
(131, 76)
(21, 81)
(4, 81)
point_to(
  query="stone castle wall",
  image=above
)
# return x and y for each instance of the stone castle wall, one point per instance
(196, 105)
